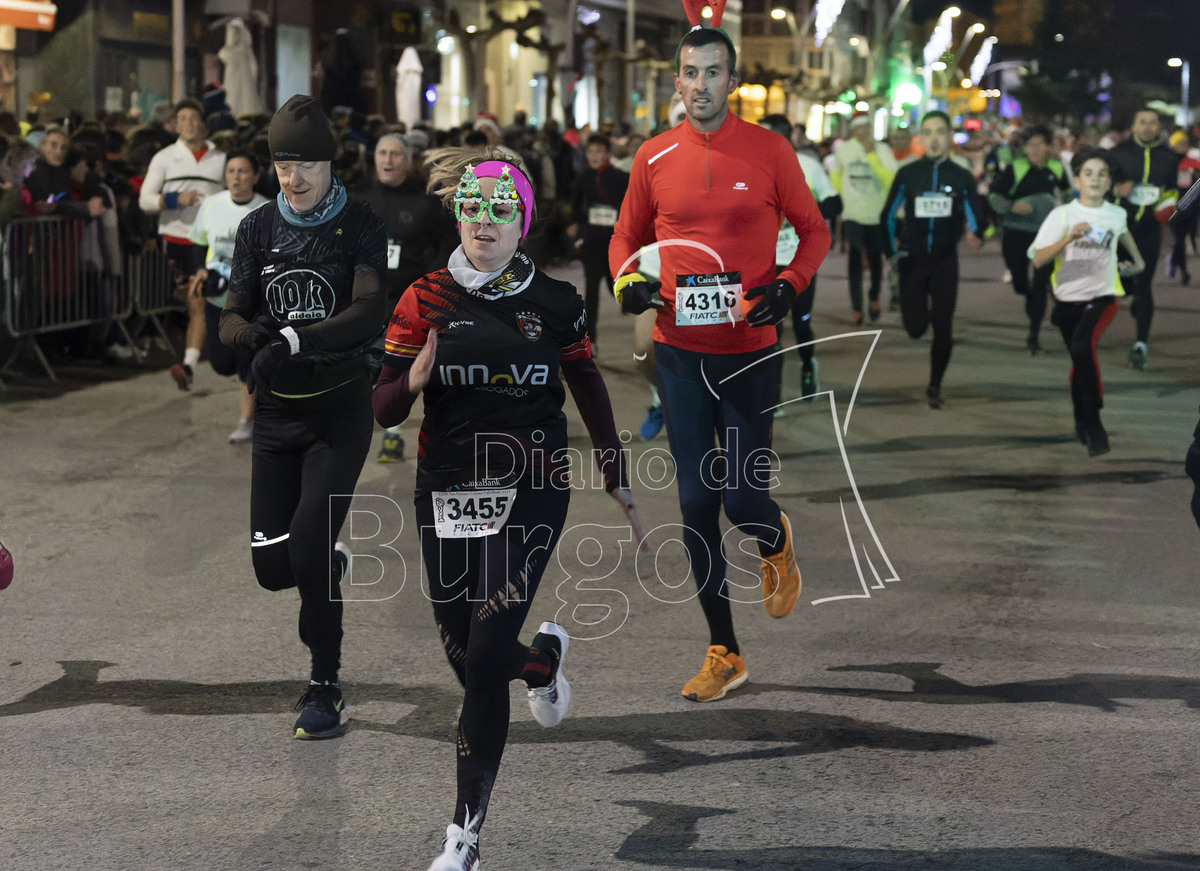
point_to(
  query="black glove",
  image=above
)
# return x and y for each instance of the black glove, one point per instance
(636, 294)
(258, 334)
(267, 364)
(774, 305)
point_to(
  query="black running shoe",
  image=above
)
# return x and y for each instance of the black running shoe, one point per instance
(320, 712)
(1097, 438)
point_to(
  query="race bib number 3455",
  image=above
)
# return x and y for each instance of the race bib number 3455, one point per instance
(712, 298)
(471, 513)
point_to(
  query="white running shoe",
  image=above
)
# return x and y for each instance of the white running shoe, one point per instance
(344, 549)
(243, 432)
(549, 704)
(460, 850)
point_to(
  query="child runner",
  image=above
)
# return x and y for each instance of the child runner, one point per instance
(1081, 240)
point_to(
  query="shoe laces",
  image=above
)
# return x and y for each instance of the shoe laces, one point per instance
(715, 663)
(548, 692)
(316, 694)
(463, 839)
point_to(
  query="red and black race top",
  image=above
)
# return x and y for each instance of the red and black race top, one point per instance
(493, 404)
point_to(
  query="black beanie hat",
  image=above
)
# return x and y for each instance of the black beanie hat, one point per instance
(300, 131)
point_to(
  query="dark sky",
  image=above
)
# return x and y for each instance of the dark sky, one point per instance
(1146, 32)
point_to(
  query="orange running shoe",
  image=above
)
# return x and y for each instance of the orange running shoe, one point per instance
(723, 671)
(781, 576)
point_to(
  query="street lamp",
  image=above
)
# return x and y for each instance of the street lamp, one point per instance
(966, 43)
(939, 43)
(1184, 116)
(983, 58)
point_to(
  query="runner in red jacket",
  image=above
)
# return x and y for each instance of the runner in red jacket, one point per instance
(713, 192)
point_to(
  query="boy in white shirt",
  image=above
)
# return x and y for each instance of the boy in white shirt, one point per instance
(1081, 239)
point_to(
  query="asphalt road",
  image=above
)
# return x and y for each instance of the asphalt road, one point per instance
(993, 664)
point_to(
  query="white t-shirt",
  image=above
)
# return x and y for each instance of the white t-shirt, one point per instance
(1087, 267)
(216, 226)
(822, 189)
(863, 194)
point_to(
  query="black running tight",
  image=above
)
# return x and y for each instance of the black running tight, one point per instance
(307, 457)
(481, 589)
(1015, 246)
(928, 294)
(1148, 236)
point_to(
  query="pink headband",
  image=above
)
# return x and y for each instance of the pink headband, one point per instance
(493, 169)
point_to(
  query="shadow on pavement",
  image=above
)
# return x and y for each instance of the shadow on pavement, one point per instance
(931, 687)
(435, 708)
(1023, 483)
(668, 840)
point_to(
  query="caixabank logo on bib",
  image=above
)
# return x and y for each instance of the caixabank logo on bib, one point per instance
(300, 295)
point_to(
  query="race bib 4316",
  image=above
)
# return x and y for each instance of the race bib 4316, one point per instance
(710, 298)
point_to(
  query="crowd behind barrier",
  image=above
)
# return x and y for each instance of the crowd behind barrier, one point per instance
(55, 278)
(64, 270)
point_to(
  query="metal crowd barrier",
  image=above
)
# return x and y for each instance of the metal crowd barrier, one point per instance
(153, 286)
(55, 278)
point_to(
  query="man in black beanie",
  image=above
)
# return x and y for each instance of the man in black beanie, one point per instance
(307, 298)
(303, 147)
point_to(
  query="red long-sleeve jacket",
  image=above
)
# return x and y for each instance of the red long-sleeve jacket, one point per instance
(714, 203)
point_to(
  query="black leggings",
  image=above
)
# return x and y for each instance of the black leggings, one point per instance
(223, 359)
(862, 238)
(1183, 229)
(1015, 245)
(1082, 325)
(928, 294)
(481, 589)
(1148, 236)
(801, 327)
(594, 272)
(307, 457)
(738, 418)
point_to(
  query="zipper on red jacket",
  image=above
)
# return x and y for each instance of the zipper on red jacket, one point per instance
(707, 178)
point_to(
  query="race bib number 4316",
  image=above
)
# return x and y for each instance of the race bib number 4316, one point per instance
(471, 513)
(712, 298)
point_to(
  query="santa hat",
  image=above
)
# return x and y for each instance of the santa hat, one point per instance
(489, 121)
(694, 10)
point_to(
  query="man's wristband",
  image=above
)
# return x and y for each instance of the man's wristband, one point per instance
(171, 200)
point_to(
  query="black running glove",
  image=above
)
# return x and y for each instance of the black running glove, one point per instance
(636, 294)
(257, 336)
(774, 302)
(267, 364)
